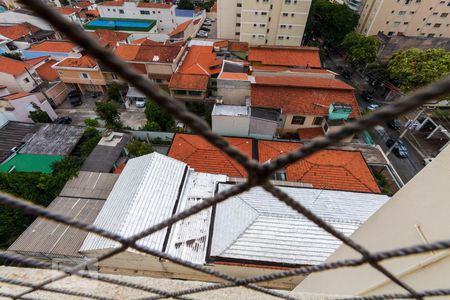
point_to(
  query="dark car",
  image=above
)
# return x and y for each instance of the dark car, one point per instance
(63, 120)
(205, 28)
(394, 124)
(75, 98)
(367, 96)
(399, 149)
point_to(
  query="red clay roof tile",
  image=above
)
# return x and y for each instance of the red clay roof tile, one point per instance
(53, 46)
(200, 60)
(17, 31)
(68, 10)
(110, 38)
(17, 67)
(148, 53)
(82, 62)
(192, 82)
(15, 96)
(285, 56)
(180, 28)
(46, 72)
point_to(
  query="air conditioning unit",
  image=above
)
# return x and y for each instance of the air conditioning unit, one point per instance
(219, 101)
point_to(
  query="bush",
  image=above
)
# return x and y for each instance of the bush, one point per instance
(137, 148)
(109, 113)
(38, 115)
(113, 92)
(162, 118)
(91, 122)
(151, 126)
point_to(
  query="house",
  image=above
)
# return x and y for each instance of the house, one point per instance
(22, 103)
(57, 50)
(110, 38)
(20, 16)
(331, 169)
(196, 68)
(155, 61)
(81, 73)
(279, 56)
(22, 35)
(13, 135)
(71, 13)
(184, 31)
(183, 15)
(20, 75)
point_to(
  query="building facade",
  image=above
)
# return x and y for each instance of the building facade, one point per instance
(406, 17)
(263, 22)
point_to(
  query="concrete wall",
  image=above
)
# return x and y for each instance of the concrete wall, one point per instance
(231, 125)
(260, 128)
(23, 107)
(6, 116)
(75, 76)
(15, 18)
(20, 83)
(58, 93)
(226, 19)
(417, 214)
(288, 126)
(233, 92)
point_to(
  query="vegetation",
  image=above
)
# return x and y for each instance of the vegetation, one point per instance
(109, 113)
(13, 55)
(151, 126)
(185, 4)
(207, 5)
(137, 148)
(414, 68)
(361, 49)
(38, 115)
(37, 188)
(160, 141)
(383, 184)
(113, 92)
(91, 122)
(330, 22)
(90, 139)
(160, 117)
(441, 114)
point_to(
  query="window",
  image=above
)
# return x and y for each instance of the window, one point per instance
(298, 120)
(401, 13)
(121, 11)
(283, 26)
(444, 15)
(391, 33)
(287, 37)
(435, 14)
(396, 24)
(279, 175)
(287, 1)
(262, 25)
(84, 76)
(145, 12)
(256, 13)
(239, 5)
(281, 37)
(114, 76)
(437, 25)
(26, 80)
(238, 24)
(264, 13)
(238, 15)
(318, 121)
(285, 14)
(431, 35)
(292, 15)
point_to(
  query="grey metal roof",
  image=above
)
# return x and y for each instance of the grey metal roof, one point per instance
(54, 139)
(265, 113)
(44, 238)
(14, 134)
(255, 226)
(229, 110)
(103, 157)
(144, 195)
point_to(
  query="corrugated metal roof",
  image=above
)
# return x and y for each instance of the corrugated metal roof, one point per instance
(90, 185)
(144, 195)
(189, 237)
(256, 226)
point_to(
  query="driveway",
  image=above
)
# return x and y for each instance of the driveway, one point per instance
(88, 103)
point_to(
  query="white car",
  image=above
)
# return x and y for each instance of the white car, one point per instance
(202, 34)
(140, 103)
(373, 107)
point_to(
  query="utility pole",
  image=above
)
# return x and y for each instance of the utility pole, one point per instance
(411, 123)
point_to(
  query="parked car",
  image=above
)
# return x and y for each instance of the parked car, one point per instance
(206, 23)
(202, 34)
(205, 29)
(394, 124)
(140, 103)
(399, 149)
(373, 107)
(75, 98)
(63, 120)
(367, 96)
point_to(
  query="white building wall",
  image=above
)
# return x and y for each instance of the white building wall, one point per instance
(5, 117)
(231, 125)
(23, 106)
(15, 18)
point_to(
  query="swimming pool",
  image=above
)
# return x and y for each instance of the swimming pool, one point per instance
(121, 24)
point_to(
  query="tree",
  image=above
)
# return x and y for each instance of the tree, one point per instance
(113, 92)
(137, 148)
(151, 126)
(414, 68)
(162, 118)
(38, 115)
(109, 113)
(13, 55)
(185, 4)
(330, 21)
(361, 49)
(68, 167)
(91, 122)
(90, 139)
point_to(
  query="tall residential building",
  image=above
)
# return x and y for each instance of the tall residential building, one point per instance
(406, 17)
(263, 22)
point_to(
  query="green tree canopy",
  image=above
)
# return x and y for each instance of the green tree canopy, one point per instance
(162, 118)
(330, 21)
(361, 49)
(137, 148)
(109, 113)
(414, 68)
(113, 92)
(185, 4)
(151, 126)
(13, 55)
(38, 115)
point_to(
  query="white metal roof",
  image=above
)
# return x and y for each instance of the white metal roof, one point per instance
(229, 110)
(144, 195)
(256, 226)
(200, 43)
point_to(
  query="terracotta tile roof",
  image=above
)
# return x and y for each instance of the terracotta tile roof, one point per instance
(285, 56)
(148, 53)
(189, 82)
(17, 67)
(233, 76)
(46, 72)
(110, 38)
(310, 133)
(304, 96)
(53, 46)
(201, 60)
(83, 4)
(204, 157)
(238, 46)
(112, 3)
(92, 12)
(68, 10)
(180, 28)
(82, 62)
(15, 96)
(17, 31)
(146, 41)
(155, 5)
(326, 169)
(280, 68)
(221, 44)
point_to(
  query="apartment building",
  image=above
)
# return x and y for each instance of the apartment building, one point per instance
(406, 17)
(263, 22)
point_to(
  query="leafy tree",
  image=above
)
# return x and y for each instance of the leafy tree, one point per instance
(185, 4)
(113, 92)
(414, 68)
(90, 139)
(13, 55)
(68, 167)
(330, 21)
(162, 118)
(91, 122)
(361, 49)
(137, 148)
(109, 113)
(151, 126)
(38, 115)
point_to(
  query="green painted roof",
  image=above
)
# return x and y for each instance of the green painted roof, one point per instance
(30, 163)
